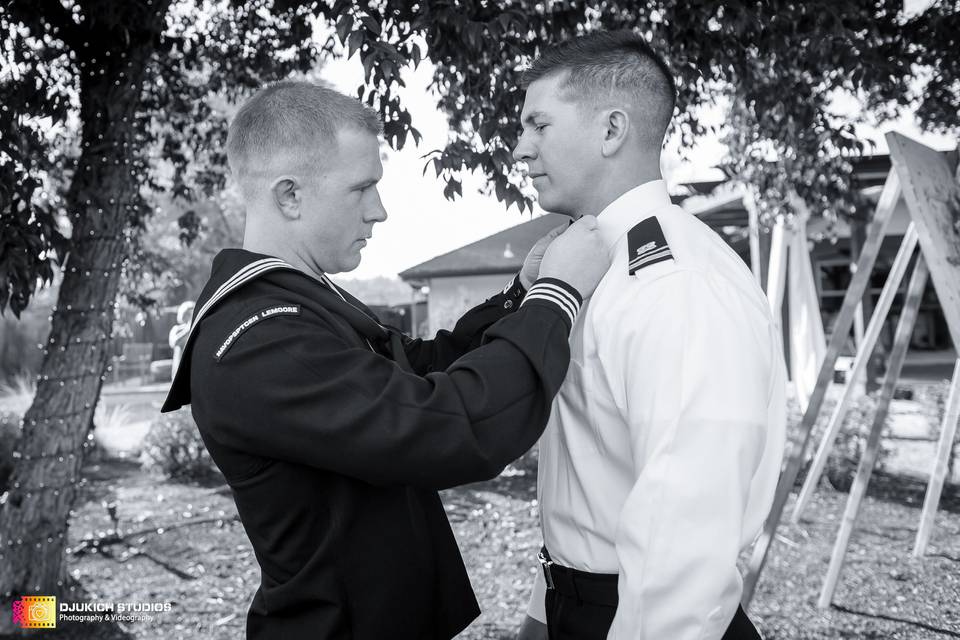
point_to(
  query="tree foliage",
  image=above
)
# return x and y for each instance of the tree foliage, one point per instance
(774, 64)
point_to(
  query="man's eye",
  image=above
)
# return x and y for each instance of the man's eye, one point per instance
(540, 127)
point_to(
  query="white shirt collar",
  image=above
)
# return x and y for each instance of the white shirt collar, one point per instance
(635, 205)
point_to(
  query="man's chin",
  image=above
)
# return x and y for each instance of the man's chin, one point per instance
(555, 205)
(352, 263)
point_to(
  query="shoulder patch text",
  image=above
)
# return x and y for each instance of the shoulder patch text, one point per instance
(263, 314)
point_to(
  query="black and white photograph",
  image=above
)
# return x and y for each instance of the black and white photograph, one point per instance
(480, 319)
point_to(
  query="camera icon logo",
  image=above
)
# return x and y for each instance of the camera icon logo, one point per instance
(35, 612)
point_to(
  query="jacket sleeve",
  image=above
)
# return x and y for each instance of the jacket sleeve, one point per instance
(292, 389)
(437, 354)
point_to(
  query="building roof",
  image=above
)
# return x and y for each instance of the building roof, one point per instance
(503, 252)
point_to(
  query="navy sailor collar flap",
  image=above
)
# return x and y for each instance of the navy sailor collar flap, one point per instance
(232, 269)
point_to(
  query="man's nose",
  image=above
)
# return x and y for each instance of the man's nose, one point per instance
(376, 213)
(524, 151)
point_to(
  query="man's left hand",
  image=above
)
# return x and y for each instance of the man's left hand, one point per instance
(531, 264)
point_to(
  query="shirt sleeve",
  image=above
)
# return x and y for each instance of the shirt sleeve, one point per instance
(293, 389)
(689, 358)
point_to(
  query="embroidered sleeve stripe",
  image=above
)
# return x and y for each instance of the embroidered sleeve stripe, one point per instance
(552, 300)
(560, 297)
(572, 303)
(651, 260)
(567, 300)
(641, 260)
(648, 254)
(563, 302)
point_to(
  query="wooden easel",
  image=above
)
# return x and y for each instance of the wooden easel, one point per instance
(931, 194)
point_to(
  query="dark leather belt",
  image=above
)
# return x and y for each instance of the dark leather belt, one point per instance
(595, 588)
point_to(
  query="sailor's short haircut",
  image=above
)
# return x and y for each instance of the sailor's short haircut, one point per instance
(292, 123)
(609, 67)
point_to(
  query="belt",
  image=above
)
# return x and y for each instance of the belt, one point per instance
(595, 588)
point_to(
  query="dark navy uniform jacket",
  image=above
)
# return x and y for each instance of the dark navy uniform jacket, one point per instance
(335, 433)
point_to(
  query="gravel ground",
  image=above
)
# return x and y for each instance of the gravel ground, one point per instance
(208, 573)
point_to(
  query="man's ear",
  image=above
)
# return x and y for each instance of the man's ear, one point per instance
(616, 127)
(286, 194)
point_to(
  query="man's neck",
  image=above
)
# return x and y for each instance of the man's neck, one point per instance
(262, 243)
(617, 185)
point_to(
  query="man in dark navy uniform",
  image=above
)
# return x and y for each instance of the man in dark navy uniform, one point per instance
(334, 431)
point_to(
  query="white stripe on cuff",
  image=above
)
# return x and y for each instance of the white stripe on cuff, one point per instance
(557, 295)
(566, 295)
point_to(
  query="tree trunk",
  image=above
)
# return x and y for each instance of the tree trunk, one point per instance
(112, 54)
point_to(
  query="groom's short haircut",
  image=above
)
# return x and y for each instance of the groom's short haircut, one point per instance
(292, 124)
(606, 67)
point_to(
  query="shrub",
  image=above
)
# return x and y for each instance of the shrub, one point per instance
(173, 447)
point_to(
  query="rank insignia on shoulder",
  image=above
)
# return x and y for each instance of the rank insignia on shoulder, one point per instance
(263, 314)
(647, 245)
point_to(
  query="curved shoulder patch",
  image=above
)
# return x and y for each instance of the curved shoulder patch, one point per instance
(646, 245)
(263, 314)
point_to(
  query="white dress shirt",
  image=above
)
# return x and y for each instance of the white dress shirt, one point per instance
(664, 445)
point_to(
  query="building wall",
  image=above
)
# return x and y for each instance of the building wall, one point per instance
(450, 297)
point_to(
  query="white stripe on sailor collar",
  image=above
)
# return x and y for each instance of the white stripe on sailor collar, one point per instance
(240, 277)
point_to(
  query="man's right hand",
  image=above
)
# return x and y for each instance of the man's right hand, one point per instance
(578, 256)
(532, 629)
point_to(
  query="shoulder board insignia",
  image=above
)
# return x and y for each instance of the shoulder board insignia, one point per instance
(647, 245)
(263, 314)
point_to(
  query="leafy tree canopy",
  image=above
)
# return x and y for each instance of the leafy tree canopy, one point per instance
(774, 64)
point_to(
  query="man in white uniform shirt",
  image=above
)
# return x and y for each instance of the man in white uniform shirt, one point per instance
(661, 456)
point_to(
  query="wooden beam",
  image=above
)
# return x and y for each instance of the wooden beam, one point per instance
(858, 285)
(933, 197)
(948, 430)
(901, 343)
(864, 351)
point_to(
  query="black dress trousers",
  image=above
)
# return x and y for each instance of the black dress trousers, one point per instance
(579, 616)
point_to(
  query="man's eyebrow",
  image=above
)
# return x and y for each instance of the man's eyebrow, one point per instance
(532, 116)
